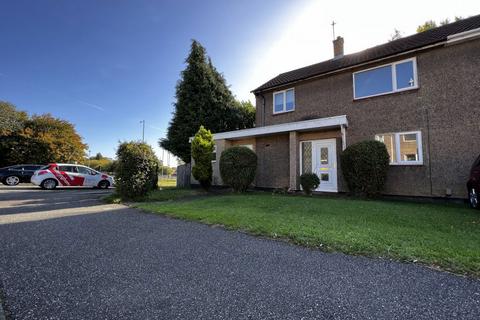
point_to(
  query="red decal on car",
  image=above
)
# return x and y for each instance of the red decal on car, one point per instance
(59, 177)
(66, 180)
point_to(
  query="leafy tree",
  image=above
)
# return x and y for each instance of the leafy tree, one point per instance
(202, 149)
(98, 156)
(102, 165)
(430, 24)
(397, 34)
(11, 120)
(444, 22)
(37, 139)
(202, 98)
(244, 117)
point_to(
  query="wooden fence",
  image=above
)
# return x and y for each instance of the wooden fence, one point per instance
(183, 175)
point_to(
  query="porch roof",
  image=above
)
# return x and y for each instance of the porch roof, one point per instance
(320, 123)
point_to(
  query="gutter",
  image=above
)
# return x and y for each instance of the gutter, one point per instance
(463, 36)
(438, 44)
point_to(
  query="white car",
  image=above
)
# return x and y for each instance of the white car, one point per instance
(70, 175)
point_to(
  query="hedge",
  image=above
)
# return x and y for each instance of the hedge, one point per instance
(365, 166)
(238, 166)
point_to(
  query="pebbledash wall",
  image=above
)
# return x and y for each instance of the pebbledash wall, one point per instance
(445, 108)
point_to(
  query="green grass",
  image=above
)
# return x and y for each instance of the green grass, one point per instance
(162, 194)
(170, 194)
(444, 236)
(164, 183)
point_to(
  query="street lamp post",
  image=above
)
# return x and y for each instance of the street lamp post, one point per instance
(143, 130)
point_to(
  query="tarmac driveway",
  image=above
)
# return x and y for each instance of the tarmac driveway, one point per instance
(65, 255)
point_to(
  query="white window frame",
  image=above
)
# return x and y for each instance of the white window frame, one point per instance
(214, 151)
(284, 92)
(394, 78)
(401, 162)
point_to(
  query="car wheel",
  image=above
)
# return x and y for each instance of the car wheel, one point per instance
(12, 180)
(473, 198)
(104, 184)
(49, 184)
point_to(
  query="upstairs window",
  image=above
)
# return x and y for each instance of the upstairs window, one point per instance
(404, 148)
(284, 101)
(390, 78)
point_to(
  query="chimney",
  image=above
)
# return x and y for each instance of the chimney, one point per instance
(338, 48)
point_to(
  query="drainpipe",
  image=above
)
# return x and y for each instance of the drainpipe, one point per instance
(263, 109)
(344, 137)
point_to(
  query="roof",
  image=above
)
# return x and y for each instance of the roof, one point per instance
(321, 123)
(416, 41)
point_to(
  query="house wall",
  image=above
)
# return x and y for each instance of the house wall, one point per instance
(445, 108)
(221, 145)
(273, 161)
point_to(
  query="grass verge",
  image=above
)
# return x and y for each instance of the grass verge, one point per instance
(441, 236)
(162, 194)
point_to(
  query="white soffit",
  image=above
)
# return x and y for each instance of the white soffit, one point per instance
(321, 123)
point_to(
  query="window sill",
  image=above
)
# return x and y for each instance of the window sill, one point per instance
(386, 93)
(282, 112)
(407, 164)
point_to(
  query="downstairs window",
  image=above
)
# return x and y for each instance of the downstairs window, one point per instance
(404, 148)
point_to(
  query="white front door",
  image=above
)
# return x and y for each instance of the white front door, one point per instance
(324, 164)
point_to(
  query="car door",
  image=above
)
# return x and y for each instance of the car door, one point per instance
(28, 171)
(71, 176)
(88, 175)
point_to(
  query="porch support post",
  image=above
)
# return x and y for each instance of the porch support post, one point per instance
(293, 146)
(344, 137)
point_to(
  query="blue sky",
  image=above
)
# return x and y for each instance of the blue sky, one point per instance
(107, 65)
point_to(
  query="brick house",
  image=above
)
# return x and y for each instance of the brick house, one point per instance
(420, 95)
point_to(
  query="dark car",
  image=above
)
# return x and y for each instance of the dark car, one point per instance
(473, 184)
(13, 175)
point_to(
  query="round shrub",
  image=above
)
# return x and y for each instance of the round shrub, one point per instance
(238, 166)
(309, 182)
(365, 166)
(136, 170)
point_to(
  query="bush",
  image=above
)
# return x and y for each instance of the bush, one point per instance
(365, 166)
(136, 170)
(202, 149)
(238, 166)
(309, 182)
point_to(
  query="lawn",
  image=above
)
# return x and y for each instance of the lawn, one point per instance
(167, 182)
(442, 236)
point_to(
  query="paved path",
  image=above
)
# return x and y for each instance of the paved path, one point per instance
(68, 256)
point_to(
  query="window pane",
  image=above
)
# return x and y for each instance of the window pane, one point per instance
(83, 170)
(405, 78)
(324, 156)
(279, 102)
(409, 147)
(290, 100)
(373, 82)
(306, 157)
(324, 177)
(389, 141)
